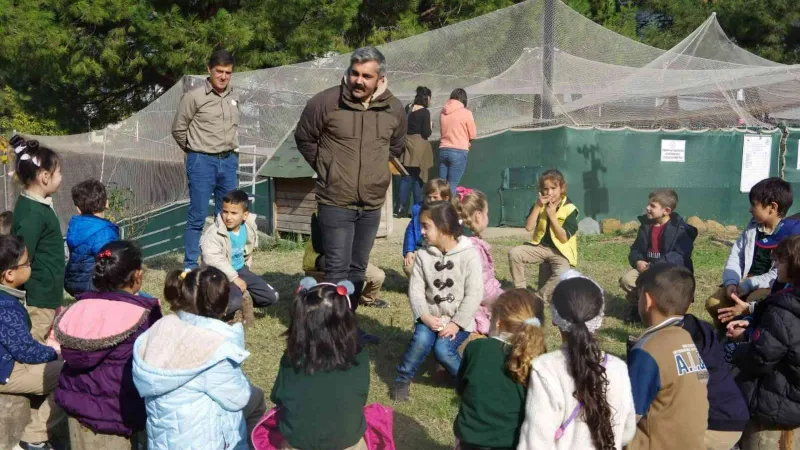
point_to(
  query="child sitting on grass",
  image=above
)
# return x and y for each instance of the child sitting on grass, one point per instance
(768, 360)
(6, 219)
(188, 369)
(662, 237)
(579, 396)
(26, 366)
(474, 210)
(554, 246)
(228, 244)
(97, 335)
(87, 233)
(435, 189)
(494, 373)
(749, 273)
(323, 379)
(445, 292)
(668, 376)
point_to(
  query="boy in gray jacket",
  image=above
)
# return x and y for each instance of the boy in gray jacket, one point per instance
(228, 245)
(749, 271)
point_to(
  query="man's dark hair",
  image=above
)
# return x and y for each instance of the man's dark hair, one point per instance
(460, 95)
(670, 286)
(220, 57)
(770, 190)
(322, 333)
(11, 250)
(237, 197)
(90, 196)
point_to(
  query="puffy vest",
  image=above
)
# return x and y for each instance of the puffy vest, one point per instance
(568, 249)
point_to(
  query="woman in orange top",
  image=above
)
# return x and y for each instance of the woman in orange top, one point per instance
(458, 129)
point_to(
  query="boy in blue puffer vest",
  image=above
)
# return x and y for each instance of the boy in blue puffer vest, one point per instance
(87, 233)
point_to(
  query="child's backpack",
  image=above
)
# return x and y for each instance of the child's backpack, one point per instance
(379, 434)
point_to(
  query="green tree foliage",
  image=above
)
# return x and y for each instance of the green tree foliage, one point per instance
(72, 65)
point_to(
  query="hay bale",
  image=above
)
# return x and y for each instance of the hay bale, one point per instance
(733, 229)
(588, 226)
(629, 226)
(712, 226)
(697, 223)
(15, 413)
(609, 226)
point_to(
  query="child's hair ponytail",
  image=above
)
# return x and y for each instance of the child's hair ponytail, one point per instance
(115, 266)
(468, 202)
(519, 312)
(30, 158)
(577, 311)
(203, 292)
(445, 216)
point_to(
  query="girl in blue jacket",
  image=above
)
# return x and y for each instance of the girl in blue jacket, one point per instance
(435, 189)
(187, 367)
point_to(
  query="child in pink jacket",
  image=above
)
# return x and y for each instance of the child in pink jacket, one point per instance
(474, 210)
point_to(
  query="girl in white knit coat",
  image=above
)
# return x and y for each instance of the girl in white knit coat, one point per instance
(579, 397)
(445, 291)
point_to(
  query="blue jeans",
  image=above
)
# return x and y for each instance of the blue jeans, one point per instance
(207, 175)
(452, 165)
(444, 350)
(412, 184)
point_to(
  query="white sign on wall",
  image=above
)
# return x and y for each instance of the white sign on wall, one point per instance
(755, 160)
(673, 151)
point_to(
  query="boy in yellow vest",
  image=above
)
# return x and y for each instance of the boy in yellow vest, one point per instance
(554, 223)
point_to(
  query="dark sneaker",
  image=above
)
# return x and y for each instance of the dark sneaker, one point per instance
(380, 304)
(366, 338)
(633, 314)
(33, 446)
(401, 391)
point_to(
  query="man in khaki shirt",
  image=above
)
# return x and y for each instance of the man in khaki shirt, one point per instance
(205, 128)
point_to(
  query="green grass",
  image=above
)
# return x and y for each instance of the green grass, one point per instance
(426, 421)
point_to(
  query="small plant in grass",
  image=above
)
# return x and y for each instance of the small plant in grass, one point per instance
(120, 210)
(289, 243)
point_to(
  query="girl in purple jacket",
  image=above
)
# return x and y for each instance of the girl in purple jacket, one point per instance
(96, 335)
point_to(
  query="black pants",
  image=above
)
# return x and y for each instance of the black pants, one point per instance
(347, 238)
(261, 292)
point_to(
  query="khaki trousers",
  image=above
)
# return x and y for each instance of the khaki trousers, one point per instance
(41, 321)
(37, 379)
(360, 445)
(254, 411)
(83, 438)
(551, 265)
(718, 300)
(760, 437)
(721, 440)
(628, 285)
(373, 282)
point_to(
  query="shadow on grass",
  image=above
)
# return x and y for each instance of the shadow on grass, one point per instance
(409, 434)
(172, 261)
(617, 307)
(395, 281)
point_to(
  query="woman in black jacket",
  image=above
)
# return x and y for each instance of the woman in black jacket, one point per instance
(769, 359)
(418, 157)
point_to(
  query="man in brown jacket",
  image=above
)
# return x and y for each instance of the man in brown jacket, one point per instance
(347, 133)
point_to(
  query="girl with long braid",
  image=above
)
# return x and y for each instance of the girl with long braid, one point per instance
(578, 396)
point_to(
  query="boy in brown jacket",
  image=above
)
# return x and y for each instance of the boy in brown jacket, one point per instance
(668, 377)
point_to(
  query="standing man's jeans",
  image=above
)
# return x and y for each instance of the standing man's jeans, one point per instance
(412, 184)
(347, 238)
(207, 174)
(424, 339)
(452, 164)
